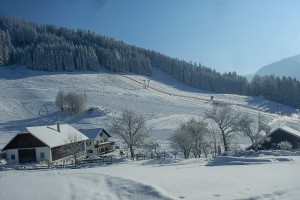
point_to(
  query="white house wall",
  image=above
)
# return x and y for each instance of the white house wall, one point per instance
(9, 153)
(46, 151)
(101, 139)
(38, 150)
(90, 147)
(98, 140)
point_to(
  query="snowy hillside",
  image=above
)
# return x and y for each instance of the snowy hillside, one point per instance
(27, 99)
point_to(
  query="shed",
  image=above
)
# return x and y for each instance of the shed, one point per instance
(280, 134)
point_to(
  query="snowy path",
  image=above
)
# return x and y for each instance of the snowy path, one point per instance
(202, 98)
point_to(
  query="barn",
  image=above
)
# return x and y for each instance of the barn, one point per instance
(41, 143)
(280, 134)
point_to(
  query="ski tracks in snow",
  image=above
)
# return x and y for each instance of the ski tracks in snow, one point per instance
(106, 187)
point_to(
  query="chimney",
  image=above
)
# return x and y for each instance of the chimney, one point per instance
(58, 126)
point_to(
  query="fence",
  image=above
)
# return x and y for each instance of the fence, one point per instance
(82, 163)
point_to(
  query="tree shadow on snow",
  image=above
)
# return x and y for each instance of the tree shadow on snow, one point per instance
(20, 125)
(228, 160)
(50, 119)
(14, 72)
(262, 103)
(172, 162)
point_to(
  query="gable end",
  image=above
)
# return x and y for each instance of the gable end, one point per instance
(24, 140)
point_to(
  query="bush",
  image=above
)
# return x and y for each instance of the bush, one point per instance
(285, 145)
(73, 101)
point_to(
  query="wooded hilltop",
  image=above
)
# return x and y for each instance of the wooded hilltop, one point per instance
(53, 48)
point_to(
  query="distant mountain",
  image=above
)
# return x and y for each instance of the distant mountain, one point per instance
(285, 67)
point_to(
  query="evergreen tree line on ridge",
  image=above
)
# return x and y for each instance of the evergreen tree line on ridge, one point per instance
(53, 48)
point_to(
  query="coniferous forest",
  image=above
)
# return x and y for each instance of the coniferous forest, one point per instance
(53, 48)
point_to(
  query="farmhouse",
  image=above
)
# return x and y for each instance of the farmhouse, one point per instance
(98, 141)
(278, 135)
(43, 143)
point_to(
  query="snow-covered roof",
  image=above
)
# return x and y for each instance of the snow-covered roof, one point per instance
(92, 133)
(289, 130)
(283, 128)
(53, 138)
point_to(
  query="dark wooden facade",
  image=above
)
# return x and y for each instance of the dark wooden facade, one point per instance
(67, 150)
(26, 144)
(280, 135)
(23, 141)
(277, 136)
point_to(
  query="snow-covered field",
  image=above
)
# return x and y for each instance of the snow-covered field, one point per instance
(264, 177)
(27, 99)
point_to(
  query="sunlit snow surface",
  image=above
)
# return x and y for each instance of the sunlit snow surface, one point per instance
(264, 177)
(27, 99)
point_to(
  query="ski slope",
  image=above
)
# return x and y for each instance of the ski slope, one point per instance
(27, 99)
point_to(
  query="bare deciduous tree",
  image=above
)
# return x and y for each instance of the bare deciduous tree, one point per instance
(190, 137)
(75, 101)
(181, 142)
(213, 137)
(60, 100)
(206, 146)
(254, 129)
(197, 130)
(131, 127)
(227, 121)
(153, 146)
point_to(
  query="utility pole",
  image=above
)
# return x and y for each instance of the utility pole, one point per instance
(148, 82)
(279, 108)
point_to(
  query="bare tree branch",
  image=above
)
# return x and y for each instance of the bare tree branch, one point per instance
(227, 121)
(190, 137)
(131, 127)
(255, 129)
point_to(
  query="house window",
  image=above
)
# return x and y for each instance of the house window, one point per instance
(101, 134)
(90, 151)
(101, 141)
(12, 156)
(42, 155)
(105, 140)
(88, 143)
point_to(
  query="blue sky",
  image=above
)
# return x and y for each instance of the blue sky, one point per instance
(227, 35)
